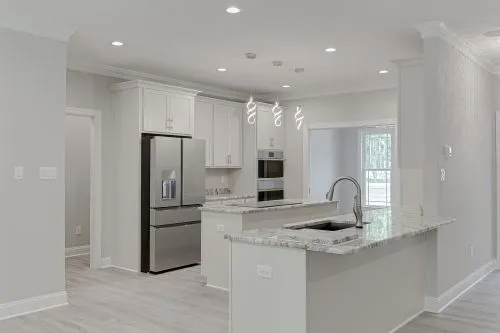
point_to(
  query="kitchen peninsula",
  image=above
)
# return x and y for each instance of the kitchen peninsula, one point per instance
(299, 279)
(221, 218)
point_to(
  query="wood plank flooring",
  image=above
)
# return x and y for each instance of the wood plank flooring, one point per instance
(111, 300)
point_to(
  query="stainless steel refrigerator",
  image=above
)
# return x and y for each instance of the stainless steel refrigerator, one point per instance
(173, 188)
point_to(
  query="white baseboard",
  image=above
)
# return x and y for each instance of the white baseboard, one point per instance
(124, 269)
(77, 251)
(105, 262)
(218, 288)
(400, 326)
(436, 305)
(30, 305)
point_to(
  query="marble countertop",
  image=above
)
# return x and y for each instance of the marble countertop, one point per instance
(226, 197)
(386, 224)
(232, 208)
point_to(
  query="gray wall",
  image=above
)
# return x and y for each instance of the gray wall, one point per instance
(32, 87)
(459, 112)
(77, 180)
(379, 104)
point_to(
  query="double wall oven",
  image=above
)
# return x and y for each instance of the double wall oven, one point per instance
(270, 175)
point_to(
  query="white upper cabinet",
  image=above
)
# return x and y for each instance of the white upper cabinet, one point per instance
(163, 109)
(154, 111)
(203, 129)
(269, 136)
(225, 127)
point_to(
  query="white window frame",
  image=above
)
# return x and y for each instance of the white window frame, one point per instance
(362, 170)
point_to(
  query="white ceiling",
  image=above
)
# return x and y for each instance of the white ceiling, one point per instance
(189, 39)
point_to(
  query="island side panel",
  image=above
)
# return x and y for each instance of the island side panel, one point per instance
(272, 304)
(375, 290)
(215, 248)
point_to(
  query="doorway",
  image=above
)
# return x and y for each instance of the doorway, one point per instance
(364, 151)
(83, 186)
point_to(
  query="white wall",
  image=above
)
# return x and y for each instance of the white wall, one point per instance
(90, 91)
(372, 105)
(459, 112)
(32, 86)
(77, 180)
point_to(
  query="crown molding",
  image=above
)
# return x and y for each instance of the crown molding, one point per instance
(127, 74)
(440, 30)
(410, 62)
(333, 92)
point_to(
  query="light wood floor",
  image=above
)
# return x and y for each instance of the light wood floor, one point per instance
(110, 300)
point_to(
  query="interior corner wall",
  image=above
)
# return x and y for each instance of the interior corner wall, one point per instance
(459, 111)
(32, 99)
(90, 91)
(362, 106)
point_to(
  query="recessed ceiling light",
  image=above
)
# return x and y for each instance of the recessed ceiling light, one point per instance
(285, 86)
(330, 49)
(233, 10)
(117, 43)
(383, 71)
(221, 69)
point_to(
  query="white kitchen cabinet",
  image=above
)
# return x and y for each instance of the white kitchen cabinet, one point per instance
(269, 136)
(225, 127)
(203, 128)
(165, 109)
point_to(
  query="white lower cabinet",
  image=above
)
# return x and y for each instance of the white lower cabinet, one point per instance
(219, 124)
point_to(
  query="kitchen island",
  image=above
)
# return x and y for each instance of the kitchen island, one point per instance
(296, 279)
(221, 218)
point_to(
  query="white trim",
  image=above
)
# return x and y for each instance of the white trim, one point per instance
(95, 182)
(105, 262)
(439, 29)
(361, 123)
(497, 190)
(127, 74)
(123, 268)
(31, 305)
(218, 288)
(153, 85)
(409, 62)
(436, 305)
(404, 323)
(77, 251)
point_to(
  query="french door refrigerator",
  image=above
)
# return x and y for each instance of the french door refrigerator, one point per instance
(173, 188)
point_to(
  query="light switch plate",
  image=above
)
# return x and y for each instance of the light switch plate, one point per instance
(443, 175)
(18, 172)
(264, 271)
(48, 173)
(78, 230)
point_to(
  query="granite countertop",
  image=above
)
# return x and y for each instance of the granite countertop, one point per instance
(235, 208)
(226, 197)
(386, 224)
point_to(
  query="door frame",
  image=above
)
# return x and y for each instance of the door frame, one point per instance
(95, 116)
(497, 190)
(396, 188)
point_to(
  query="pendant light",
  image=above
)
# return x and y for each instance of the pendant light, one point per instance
(299, 117)
(277, 113)
(251, 111)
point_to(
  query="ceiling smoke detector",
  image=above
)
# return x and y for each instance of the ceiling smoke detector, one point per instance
(250, 55)
(493, 33)
(277, 63)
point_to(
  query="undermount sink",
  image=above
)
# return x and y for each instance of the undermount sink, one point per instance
(328, 226)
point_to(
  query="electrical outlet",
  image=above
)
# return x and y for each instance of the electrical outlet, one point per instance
(47, 173)
(220, 227)
(265, 272)
(471, 251)
(78, 230)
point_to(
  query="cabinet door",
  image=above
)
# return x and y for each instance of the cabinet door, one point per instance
(179, 114)
(203, 128)
(265, 124)
(221, 156)
(234, 136)
(154, 111)
(278, 135)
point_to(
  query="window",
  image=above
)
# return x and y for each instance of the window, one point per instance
(376, 166)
